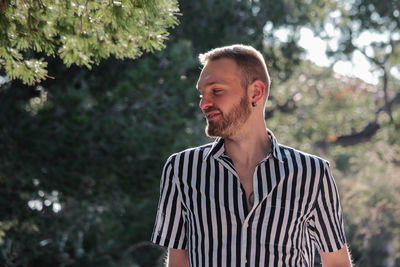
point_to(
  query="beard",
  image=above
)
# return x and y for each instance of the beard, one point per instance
(229, 122)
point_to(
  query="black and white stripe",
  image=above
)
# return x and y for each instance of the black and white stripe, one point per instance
(203, 209)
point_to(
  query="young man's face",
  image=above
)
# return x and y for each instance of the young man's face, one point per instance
(224, 102)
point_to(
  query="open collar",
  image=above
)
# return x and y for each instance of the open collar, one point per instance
(218, 149)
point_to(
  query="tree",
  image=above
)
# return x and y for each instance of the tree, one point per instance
(79, 32)
(210, 23)
(80, 162)
(372, 197)
(370, 28)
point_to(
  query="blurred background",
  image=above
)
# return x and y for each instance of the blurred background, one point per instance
(81, 152)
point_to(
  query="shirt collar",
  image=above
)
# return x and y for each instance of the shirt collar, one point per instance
(218, 148)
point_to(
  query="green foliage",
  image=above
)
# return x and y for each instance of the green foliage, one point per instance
(320, 106)
(79, 32)
(209, 24)
(87, 195)
(372, 197)
(370, 28)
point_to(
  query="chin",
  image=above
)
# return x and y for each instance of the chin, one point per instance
(214, 133)
(211, 134)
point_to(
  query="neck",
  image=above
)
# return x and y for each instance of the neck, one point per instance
(248, 147)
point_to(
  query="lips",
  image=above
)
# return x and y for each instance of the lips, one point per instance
(211, 116)
(212, 113)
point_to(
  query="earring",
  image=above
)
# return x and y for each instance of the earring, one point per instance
(254, 104)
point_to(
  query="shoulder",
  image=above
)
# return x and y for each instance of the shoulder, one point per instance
(199, 151)
(312, 168)
(295, 155)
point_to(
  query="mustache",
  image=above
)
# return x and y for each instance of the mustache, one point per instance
(211, 109)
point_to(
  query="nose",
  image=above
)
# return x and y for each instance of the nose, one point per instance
(205, 102)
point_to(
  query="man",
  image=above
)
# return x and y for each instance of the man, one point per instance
(246, 200)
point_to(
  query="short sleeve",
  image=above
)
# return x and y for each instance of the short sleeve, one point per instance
(169, 228)
(326, 226)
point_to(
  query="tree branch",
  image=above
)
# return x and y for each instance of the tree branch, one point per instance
(354, 139)
(388, 106)
(365, 134)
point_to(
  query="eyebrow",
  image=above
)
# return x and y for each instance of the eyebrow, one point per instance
(208, 84)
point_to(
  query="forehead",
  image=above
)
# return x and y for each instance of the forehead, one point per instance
(222, 70)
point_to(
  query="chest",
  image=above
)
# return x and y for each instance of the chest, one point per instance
(224, 190)
(214, 204)
(246, 176)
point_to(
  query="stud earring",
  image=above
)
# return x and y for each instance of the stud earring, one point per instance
(254, 104)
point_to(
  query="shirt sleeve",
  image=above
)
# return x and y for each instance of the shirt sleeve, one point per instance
(326, 226)
(169, 228)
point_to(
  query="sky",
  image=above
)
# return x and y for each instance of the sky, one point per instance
(315, 49)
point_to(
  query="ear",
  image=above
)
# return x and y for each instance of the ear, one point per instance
(256, 91)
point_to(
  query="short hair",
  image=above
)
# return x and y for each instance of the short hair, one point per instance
(249, 60)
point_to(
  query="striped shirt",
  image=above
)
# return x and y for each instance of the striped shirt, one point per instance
(203, 208)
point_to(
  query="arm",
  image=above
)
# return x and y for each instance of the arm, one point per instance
(339, 258)
(178, 258)
(328, 224)
(170, 225)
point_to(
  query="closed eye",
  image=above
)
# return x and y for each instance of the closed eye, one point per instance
(216, 91)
